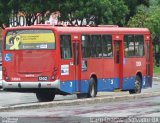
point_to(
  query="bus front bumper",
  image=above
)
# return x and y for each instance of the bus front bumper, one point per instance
(30, 85)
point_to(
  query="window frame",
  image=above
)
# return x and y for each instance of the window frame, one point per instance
(107, 45)
(71, 54)
(134, 56)
(90, 47)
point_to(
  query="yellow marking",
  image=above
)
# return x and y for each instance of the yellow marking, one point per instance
(17, 40)
(35, 38)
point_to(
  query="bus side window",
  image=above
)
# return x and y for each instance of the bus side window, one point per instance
(134, 45)
(107, 45)
(96, 46)
(86, 46)
(139, 45)
(65, 46)
(129, 45)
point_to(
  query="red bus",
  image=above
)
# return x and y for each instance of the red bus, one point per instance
(49, 60)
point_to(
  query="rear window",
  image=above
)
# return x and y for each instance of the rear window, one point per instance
(30, 39)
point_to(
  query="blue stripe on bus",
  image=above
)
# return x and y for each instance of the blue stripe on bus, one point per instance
(128, 83)
(104, 84)
(68, 86)
(147, 82)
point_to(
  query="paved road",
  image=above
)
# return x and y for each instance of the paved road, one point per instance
(122, 110)
(12, 98)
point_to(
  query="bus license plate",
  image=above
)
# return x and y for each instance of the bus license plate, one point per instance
(42, 78)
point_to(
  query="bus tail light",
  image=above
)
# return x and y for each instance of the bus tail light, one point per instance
(54, 73)
(4, 71)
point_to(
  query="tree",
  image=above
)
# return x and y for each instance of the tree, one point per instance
(31, 9)
(147, 17)
(132, 6)
(73, 11)
(99, 12)
(139, 19)
(4, 13)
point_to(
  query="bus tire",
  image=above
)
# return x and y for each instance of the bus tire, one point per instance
(45, 96)
(92, 91)
(137, 88)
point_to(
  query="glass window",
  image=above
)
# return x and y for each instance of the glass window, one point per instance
(139, 45)
(134, 45)
(29, 39)
(129, 45)
(107, 45)
(96, 46)
(86, 46)
(65, 46)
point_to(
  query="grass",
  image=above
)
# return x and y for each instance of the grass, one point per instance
(156, 71)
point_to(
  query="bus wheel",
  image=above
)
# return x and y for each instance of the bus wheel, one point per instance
(45, 96)
(137, 88)
(92, 91)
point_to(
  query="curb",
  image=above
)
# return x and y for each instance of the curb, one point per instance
(79, 101)
(156, 78)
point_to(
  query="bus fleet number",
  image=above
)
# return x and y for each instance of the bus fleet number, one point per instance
(42, 78)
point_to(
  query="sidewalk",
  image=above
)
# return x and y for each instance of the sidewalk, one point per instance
(156, 78)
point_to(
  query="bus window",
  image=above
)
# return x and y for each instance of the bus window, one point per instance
(139, 45)
(129, 45)
(96, 46)
(134, 45)
(86, 46)
(117, 52)
(107, 45)
(29, 39)
(65, 46)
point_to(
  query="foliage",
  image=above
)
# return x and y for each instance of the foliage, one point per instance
(132, 5)
(156, 71)
(100, 12)
(4, 13)
(73, 11)
(147, 17)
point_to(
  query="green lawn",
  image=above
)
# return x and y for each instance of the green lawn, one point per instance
(156, 71)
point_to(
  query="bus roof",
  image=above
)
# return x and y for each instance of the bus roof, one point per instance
(76, 29)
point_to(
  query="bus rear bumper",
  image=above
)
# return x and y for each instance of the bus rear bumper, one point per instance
(30, 85)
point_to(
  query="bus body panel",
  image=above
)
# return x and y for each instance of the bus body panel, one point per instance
(74, 78)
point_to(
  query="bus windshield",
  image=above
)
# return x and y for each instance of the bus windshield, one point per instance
(29, 39)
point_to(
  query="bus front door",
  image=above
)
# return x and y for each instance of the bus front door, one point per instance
(118, 61)
(77, 64)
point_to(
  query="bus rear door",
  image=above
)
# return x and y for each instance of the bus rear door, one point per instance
(118, 60)
(76, 60)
